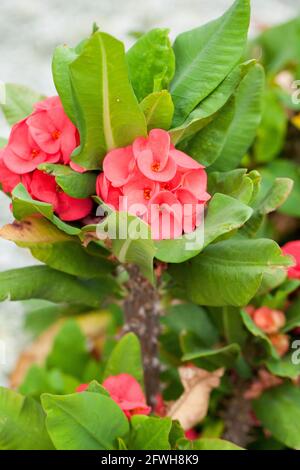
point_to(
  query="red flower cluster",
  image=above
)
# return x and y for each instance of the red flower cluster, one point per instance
(46, 136)
(270, 321)
(153, 180)
(126, 392)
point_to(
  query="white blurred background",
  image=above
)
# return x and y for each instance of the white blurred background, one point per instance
(29, 32)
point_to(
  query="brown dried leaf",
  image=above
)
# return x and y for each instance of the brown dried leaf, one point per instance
(191, 408)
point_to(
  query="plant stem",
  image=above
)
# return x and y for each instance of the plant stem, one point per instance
(142, 312)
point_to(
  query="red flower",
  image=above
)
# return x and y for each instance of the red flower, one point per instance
(43, 187)
(268, 320)
(293, 249)
(153, 180)
(281, 343)
(82, 388)
(128, 394)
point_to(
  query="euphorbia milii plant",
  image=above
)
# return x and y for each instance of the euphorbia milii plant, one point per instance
(150, 141)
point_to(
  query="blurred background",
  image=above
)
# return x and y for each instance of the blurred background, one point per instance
(29, 32)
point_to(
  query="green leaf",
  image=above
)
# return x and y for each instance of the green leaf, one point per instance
(191, 318)
(206, 110)
(19, 101)
(126, 359)
(224, 215)
(197, 51)
(229, 272)
(69, 351)
(283, 169)
(284, 367)
(207, 145)
(22, 423)
(292, 316)
(107, 112)
(259, 334)
(248, 111)
(236, 183)
(41, 282)
(276, 196)
(208, 358)
(176, 433)
(279, 412)
(158, 109)
(24, 206)
(77, 185)
(272, 130)
(38, 380)
(95, 387)
(151, 63)
(150, 433)
(63, 56)
(57, 250)
(84, 421)
(131, 240)
(214, 444)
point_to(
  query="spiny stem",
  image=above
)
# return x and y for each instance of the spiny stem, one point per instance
(142, 313)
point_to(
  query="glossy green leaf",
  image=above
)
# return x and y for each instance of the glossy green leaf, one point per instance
(207, 145)
(158, 109)
(22, 423)
(126, 359)
(236, 183)
(77, 185)
(224, 215)
(151, 63)
(248, 111)
(197, 51)
(206, 110)
(279, 412)
(229, 272)
(107, 112)
(63, 56)
(150, 433)
(84, 421)
(19, 101)
(283, 169)
(41, 282)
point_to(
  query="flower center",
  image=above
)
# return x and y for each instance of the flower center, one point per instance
(155, 166)
(34, 153)
(147, 194)
(56, 134)
(166, 186)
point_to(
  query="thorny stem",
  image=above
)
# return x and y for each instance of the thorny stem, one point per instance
(142, 312)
